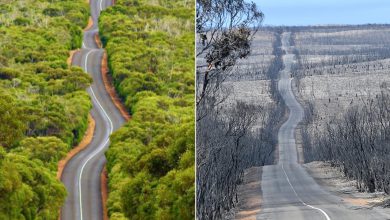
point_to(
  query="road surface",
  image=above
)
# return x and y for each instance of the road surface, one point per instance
(288, 191)
(81, 175)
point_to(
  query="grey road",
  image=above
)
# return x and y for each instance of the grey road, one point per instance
(288, 191)
(81, 175)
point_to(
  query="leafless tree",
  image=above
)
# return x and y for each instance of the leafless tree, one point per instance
(224, 30)
(227, 143)
(359, 143)
(225, 147)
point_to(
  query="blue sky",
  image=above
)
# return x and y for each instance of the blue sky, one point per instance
(321, 12)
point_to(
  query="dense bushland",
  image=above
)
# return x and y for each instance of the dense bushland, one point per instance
(150, 47)
(43, 105)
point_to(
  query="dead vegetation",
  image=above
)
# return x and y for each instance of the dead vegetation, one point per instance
(342, 77)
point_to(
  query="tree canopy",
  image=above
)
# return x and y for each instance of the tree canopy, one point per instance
(43, 104)
(150, 161)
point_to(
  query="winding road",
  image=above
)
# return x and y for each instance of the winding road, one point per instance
(81, 175)
(288, 191)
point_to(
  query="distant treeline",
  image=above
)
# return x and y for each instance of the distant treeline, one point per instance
(150, 161)
(327, 28)
(43, 104)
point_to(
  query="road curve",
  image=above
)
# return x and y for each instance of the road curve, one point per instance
(81, 175)
(288, 191)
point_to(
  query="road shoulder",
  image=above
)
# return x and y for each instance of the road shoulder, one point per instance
(333, 180)
(111, 89)
(81, 146)
(249, 196)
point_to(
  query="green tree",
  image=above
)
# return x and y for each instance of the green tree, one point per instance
(47, 149)
(43, 103)
(12, 127)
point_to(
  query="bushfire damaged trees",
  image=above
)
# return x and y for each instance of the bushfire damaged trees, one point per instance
(358, 143)
(226, 140)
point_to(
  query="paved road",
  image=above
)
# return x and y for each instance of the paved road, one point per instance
(288, 191)
(81, 176)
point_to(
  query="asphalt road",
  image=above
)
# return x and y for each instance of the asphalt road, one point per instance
(81, 175)
(288, 191)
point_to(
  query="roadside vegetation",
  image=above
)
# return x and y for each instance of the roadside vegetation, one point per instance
(43, 104)
(150, 162)
(342, 77)
(359, 144)
(241, 132)
(237, 122)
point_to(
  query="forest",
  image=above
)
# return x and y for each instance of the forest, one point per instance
(150, 161)
(43, 104)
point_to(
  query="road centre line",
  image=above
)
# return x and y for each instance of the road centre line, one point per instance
(101, 146)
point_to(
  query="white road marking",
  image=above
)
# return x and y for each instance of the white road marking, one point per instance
(101, 7)
(287, 84)
(299, 198)
(101, 147)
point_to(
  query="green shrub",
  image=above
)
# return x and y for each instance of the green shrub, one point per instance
(22, 21)
(151, 159)
(43, 103)
(52, 12)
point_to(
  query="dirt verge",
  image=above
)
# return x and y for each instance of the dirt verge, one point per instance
(97, 41)
(249, 195)
(90, 23)
(81, 146)
(104, 189)
(111, 90)
(332, 179)
(70, 58)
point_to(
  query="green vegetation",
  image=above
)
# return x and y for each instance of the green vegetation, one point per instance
(150, 47)
(43, 104)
